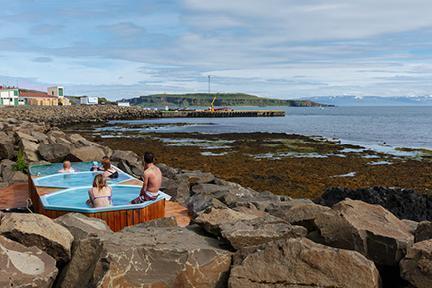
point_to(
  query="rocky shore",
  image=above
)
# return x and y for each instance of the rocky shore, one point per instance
(67, 115)
(238, 237)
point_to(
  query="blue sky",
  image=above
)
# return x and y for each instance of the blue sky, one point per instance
(278, 48)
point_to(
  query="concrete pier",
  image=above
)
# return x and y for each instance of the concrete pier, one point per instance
(222, 114)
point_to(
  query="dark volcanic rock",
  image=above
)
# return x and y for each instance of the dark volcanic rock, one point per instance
(404, 203)
(423, 231)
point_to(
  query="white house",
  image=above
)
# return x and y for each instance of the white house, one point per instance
(9, 96)
(87, 100)
(56, 91)
(123, 104)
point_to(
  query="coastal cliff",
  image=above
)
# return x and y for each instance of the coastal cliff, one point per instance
(238, 237)
(222, 99)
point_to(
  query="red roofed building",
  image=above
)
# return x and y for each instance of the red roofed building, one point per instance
(39, 98)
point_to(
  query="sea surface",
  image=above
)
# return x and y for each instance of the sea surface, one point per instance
(366, 126)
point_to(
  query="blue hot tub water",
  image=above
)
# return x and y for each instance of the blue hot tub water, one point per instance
(74, 199)
(50, 169)
(68, 180)
(75, 186)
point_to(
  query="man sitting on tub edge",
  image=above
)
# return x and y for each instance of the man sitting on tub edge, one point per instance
(152, 180)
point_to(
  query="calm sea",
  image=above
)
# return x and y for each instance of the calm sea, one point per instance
(395, 126)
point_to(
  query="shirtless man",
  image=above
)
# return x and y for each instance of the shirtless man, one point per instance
(67, 167)
(152, 180)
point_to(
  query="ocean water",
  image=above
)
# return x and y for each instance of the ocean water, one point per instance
(394, 126)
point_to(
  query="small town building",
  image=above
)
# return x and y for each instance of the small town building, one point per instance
(9, 96)
(38, 98)
(14, 96)
(123, 104)
(89, 100)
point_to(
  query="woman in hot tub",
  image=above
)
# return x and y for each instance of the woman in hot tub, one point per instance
(108, 170)
(100, 195)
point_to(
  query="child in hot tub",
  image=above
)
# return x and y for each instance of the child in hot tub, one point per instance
(100, 195)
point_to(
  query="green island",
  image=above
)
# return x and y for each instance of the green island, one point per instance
(222, 99)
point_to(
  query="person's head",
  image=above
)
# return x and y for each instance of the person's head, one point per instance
(67, 165)
(106, 163)
(148, 158)
(99, 181)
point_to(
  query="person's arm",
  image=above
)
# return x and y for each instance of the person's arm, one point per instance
(90, 200)
(145, 183)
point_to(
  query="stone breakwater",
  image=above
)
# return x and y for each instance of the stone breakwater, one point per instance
(238, 237)
(64, 115)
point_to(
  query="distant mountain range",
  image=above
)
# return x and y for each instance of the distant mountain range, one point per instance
(222, 99)
(373, 100)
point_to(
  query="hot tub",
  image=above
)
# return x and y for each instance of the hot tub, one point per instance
(54, 194)
(76, 179)
(74, 199)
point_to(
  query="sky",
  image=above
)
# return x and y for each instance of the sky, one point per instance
(274, 48)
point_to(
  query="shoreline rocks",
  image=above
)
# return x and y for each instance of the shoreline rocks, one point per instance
(300, 262)
(404, 203)
(238, 237)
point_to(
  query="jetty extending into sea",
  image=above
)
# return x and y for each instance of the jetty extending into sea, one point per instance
(222, 114)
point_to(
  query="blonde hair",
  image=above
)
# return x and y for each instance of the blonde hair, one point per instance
(99, 182)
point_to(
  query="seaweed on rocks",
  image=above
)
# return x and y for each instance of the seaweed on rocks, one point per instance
(404, 203)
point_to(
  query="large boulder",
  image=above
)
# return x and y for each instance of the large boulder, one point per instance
(81, 226)
(202, 202)
(22, 266)
(7, 170)
(39, 136)
(87, 247)
(423, 231)
(299, 262)
(161, 257)
(212, 219)
(26, 136)
(403, 203)
(87, 153)
(259, 230)
(40, 231)
(297, 212)
(198, 177)
(128, 161)
(416, 267)
(79, 271)
(369, 229)
(78, 140)
(7, 148)
(179, 189)
(167, 171)
(54, 152)
(30, 150)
